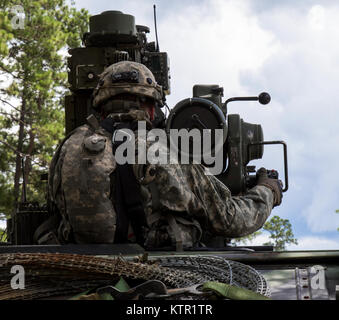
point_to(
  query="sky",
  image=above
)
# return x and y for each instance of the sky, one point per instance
(287, 48)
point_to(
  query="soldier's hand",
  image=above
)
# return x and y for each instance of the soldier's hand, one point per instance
(274, 184)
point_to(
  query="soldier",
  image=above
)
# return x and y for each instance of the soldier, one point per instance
(101, 201)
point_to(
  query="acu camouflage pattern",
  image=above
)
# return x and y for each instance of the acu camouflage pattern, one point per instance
(187, 193)
(79, 185)
(183, 205)
(146, 85)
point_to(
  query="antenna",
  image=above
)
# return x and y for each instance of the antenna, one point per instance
(155, 27)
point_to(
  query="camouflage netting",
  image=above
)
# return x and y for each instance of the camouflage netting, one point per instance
(51, 275)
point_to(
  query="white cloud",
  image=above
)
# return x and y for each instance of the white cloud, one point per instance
(304, 243)
(316, 17)
(213, 42)
(303, 77)
(258, 240)
(2, 224)
(315, 243)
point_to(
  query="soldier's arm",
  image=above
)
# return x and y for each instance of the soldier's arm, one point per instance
(250, 211)
(186, 188)
(233, 216)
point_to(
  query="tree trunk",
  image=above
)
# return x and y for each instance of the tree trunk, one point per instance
(29, 152)
(21, 136)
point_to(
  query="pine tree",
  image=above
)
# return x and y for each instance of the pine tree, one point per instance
(34, 37)
(280, 231)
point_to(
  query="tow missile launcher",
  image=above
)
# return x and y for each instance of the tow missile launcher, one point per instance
(242, 141)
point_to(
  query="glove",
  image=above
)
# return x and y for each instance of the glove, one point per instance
(274, 184)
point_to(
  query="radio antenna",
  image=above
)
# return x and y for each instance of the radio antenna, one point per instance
(155, 27)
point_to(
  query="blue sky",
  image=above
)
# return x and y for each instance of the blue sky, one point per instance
(287, 48)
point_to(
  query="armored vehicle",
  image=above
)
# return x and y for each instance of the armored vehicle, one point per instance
(128, 271)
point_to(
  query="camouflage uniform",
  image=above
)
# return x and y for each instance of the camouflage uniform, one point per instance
(183, 206)
(79, 186)
(181, 201)
(202, 207)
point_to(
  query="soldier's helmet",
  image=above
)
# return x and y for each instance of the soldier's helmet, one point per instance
(126, 77)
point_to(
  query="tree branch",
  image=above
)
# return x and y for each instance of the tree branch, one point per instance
(13, 118)
(10, 72)
(13, 149)
(23, 155)
(15, 108)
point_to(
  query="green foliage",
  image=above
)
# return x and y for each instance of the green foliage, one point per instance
(33, 82)
(246, 240)
(337, 211)
(3, 234)
(280, 232)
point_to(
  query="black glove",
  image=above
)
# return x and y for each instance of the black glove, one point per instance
(274, 184)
